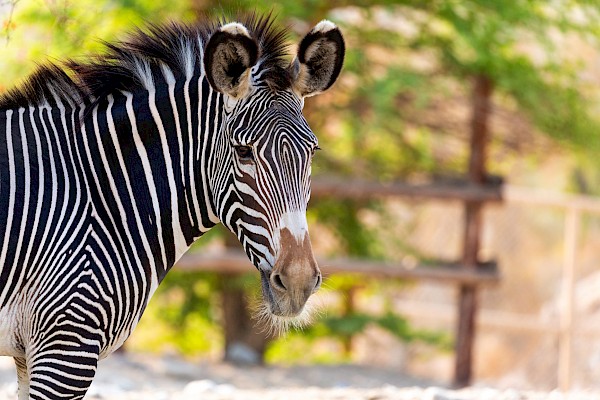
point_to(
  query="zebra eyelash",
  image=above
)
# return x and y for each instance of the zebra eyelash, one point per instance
(245, 153)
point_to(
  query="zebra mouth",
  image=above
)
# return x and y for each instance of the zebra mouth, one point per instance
(273, 304)
(266, 289)
(277, 319)
(280, 304)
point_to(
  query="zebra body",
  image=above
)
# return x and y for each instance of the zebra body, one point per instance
(107, 178)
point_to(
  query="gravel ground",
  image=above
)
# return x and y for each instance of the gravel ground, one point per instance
(137, 377)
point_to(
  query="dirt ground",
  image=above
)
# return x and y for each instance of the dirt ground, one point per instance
(137, 377)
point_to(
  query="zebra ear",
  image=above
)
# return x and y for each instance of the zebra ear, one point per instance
(319, 59)
(228, 57)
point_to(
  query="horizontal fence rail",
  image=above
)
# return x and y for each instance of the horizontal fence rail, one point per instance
(236, 262)
(362, 190)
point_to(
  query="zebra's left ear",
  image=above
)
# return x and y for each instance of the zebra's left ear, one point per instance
(319, 59)
(228, 57)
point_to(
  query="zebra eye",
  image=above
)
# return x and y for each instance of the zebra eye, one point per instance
(314, 150)
(244, 152)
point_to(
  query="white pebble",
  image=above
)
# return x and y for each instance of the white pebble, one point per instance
(198, 387)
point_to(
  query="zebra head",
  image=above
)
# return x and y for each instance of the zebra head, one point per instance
(266, 148)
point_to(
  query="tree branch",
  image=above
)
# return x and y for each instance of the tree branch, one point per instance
(8, 23)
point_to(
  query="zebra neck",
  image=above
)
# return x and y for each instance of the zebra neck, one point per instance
(149, 166)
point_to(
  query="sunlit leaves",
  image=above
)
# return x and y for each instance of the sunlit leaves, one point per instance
(56, 29)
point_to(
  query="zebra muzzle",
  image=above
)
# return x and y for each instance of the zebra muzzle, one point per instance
(294, 277)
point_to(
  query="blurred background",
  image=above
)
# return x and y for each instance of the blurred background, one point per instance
(469, 132)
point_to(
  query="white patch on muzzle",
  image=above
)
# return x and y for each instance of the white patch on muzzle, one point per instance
(295, 222)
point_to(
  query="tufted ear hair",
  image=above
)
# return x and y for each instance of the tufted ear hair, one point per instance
(228, 57)
(319, 59)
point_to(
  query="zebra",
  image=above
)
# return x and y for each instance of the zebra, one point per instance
(111, 168)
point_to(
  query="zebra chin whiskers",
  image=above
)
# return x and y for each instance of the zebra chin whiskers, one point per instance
(277, 325)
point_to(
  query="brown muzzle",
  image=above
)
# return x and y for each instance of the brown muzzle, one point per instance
(295, 275)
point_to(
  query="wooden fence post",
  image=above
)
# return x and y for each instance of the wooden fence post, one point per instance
(468, 299)
(567, 305)
(349, 295)
(245, 342)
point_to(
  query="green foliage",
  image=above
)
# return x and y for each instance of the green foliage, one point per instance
(292, 349)
(400, 328)
(462, 39)
(345, 326)
(341, 217)
(467, 39)
(338, 329)
(45, 29)
(183, 316)
(557, 108)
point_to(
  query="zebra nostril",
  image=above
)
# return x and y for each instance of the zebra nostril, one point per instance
(278, 282)
(319, 280)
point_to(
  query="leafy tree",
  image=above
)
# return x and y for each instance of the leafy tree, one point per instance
(38, 30)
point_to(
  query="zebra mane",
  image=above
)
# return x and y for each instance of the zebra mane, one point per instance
(133, 63)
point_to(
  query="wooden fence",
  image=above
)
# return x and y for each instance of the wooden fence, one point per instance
(574, 206)
(468, 274)
(565, 327)
(454, 273)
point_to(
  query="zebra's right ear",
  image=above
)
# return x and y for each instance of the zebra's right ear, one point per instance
(228, 57)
